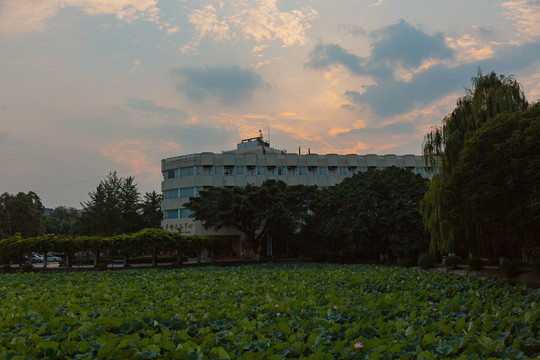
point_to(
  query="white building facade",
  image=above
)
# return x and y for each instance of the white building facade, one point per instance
(253, 162)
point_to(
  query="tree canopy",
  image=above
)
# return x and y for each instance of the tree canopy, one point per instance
(21, 213)
(481, 155)
(116, 207)
(376, 212)
(256, 211)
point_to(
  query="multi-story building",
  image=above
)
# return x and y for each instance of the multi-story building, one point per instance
(253, 162)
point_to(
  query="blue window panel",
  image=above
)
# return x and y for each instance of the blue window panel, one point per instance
(171, 214)
(171, 194)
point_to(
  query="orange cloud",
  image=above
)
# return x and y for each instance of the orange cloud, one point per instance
(141, 157)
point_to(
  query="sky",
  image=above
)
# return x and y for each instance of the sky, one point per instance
(93, 86)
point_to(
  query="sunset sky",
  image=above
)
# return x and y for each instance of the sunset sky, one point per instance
(93, 86)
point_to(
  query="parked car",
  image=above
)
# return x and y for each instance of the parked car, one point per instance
(53, 258)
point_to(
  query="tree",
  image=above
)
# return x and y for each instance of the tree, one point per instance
(445, 219)
(22, 214)
(253, 210)
(61, 220)
(114, 208)
(151, 210)
(375, 212)
(498, 175)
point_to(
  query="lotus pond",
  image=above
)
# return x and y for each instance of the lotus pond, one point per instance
(266, 312)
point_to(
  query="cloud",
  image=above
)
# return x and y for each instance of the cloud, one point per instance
(395, 45)
(378, 3)
(29, 15)
(264, 22)
(405, 44)
(136, 64)
(229, 85)
(259, 20)
(352, 29)
(525, 14)
(397, 128)
(324, 56)
(151, 107)
(207, 24)
(390, 97)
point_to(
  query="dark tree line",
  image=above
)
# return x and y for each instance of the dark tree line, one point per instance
(371, 213)
(115, 207)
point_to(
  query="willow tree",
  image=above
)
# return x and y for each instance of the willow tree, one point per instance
(454, 226)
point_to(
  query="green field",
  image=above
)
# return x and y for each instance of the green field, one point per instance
(266, 312)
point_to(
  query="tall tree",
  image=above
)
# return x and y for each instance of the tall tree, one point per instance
(498, 176)
(21, 213)
(491, 95)
(114, 208)
(151, 210)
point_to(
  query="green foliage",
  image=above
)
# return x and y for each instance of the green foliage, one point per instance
(475, 263)
(256, 211)
(452, 262)
(425, 261)
(308, 311)
(6, 269)
(408, 261)
(61, 221)
(102, 266)
(115, 207)
(26, 268)
(483, 162)
(374, 212)
(21, 214)
(510, 268)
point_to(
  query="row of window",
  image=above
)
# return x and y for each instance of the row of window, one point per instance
(177, 214)
(265, 171)
(182, 192)
(260, 171)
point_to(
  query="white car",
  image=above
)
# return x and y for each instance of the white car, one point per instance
(53, 258)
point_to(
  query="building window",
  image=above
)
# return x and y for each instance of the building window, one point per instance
(171, 214)
(362, 169)
(323, 171)
(293, 170)
(282, 170)
(207, 170)
(342, 171)
(261, 170)
(185, 213)
(271, 170)
(171, 194)
(420, 171)
(187, 171)
(218, 170)
(170, 174)
(240, 170)
(302, 170)
(229, 170)
(251, 170)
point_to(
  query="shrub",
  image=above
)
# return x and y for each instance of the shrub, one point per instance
(425, 261)
(407, 261)
(26, 268)
(101, 266)
(536, 267)
(475, 263)
(510, 268)
(452, 262)
(6, 269)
